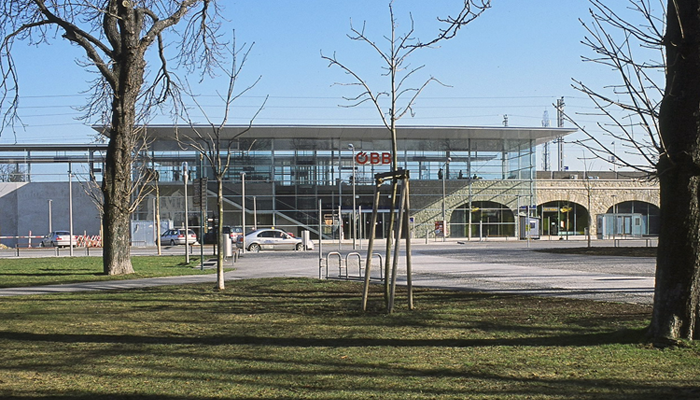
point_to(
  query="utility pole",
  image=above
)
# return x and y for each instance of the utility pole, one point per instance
(560, 139)
(545, 148)
(70, 207)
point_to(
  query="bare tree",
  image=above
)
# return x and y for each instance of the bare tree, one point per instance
(619, 41)
(670, 149)
(401, 97)
(13, 173)
(142, 177)
(211, 142)
(115, 36)
(677, 293)
(588, 185)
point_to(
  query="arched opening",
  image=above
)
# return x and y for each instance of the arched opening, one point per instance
(650, 214)
(562, 218)
(488, 219)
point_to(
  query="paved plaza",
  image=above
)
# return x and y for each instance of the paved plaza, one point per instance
(516, 267)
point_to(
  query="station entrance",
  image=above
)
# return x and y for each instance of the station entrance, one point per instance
(563, 218)
(484, 219)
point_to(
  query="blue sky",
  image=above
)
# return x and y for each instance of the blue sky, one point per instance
(517, 59)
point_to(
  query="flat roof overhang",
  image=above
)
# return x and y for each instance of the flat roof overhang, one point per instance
(354, 132)
(50, 153)
(52, 147)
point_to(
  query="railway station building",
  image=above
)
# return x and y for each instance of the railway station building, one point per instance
(481, 180)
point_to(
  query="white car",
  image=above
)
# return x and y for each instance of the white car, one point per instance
(269, 239)
(58, 239)
(174, 237)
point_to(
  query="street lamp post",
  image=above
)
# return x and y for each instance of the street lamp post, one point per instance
(70, 206)
(614, 197)
(255, 212)
(202, 205)
(50, 216)
(354, 215)
(243, 209)
(185, 175)
(444, 224)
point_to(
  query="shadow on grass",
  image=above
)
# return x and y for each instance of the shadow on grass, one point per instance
(270, 377)
(627, 336)
(579, 389)
(38, 274)
(273, 352)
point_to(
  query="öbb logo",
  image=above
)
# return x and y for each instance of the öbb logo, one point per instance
(373, 158)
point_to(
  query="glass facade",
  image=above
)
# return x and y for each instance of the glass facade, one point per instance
(288, 172)
(319, 162)
(288, 176)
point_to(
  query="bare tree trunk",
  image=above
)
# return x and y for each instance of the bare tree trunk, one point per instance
(677, 294)
(116, 188)
(117, 184)
(370, 245)
(157, 227)
(389, 230)
(676, 309)
(590, 222)
(220, 285)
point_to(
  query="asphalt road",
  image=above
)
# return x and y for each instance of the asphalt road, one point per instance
(498, 266)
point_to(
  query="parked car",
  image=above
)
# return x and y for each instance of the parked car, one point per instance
(233, 232)
(177, 236)
(269, 239)
(58, 239)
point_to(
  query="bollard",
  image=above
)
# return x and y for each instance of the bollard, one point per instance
(228, 247)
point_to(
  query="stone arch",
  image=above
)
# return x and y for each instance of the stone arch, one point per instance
(650, 213)
(488, 219)
(599, 193)
(563, 218)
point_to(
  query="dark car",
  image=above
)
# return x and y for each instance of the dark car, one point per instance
(233, 232)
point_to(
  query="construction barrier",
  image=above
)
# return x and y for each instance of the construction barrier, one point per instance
(80, 241)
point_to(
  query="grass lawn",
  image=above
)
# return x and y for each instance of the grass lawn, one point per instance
(54, 270)
(305, 339)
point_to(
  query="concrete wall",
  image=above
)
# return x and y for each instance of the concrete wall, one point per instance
(24, 207)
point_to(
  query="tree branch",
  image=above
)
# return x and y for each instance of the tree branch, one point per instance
(637, 98)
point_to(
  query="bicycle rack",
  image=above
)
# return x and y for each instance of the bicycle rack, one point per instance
(340, 263)
(344, 264)
(381, 262)
(359, 263)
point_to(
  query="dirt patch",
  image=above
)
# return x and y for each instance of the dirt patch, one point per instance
(606, 251)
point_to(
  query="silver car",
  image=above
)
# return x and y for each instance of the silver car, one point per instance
(269, 239)
(177, 236)
(58, 239)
